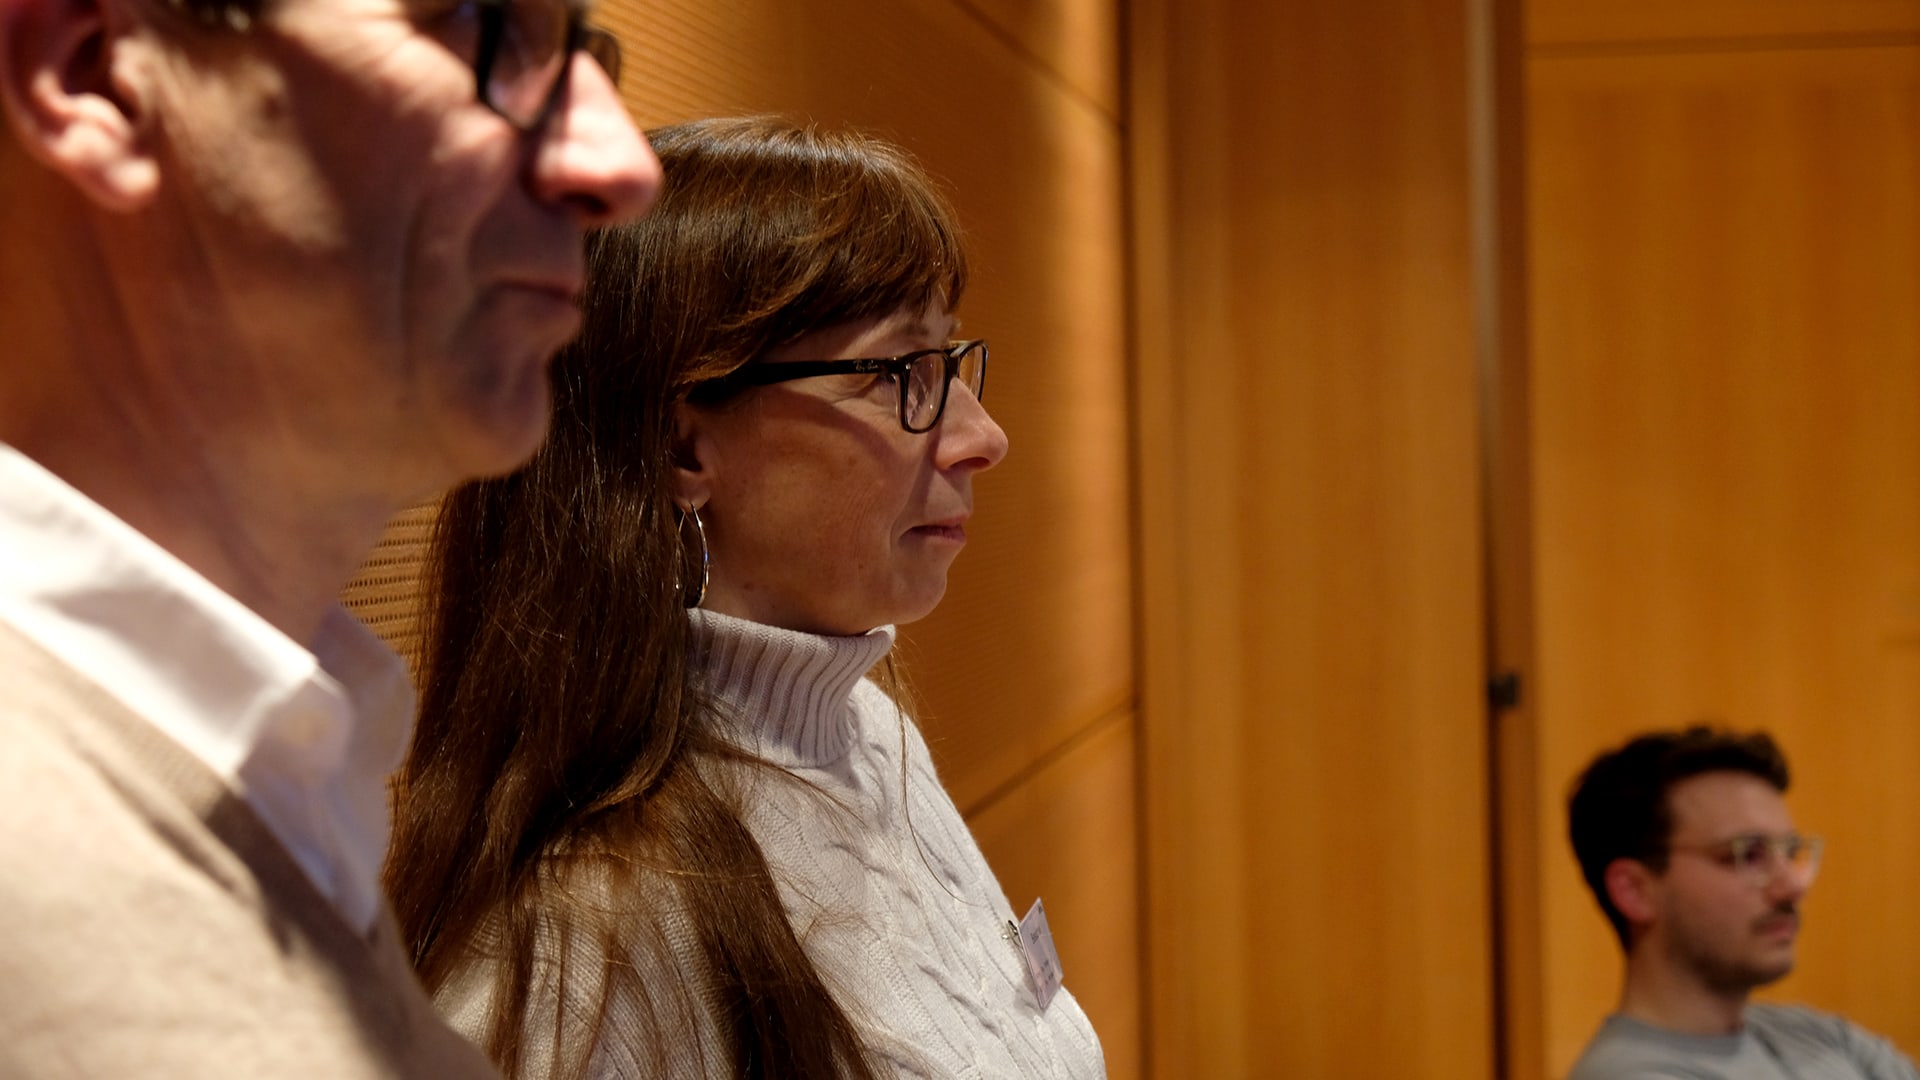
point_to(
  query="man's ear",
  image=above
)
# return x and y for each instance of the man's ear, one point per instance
(692, 457)
(70, 92)
(1633, 887)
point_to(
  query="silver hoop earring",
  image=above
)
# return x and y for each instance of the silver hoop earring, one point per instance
(692, 597)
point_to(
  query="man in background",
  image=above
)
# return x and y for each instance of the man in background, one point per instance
(272, 270)
(1685, 840)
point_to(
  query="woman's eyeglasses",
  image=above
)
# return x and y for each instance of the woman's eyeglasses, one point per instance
(923, 377)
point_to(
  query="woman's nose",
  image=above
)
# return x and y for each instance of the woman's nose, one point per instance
(968, 434)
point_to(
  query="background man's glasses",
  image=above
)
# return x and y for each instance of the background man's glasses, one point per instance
(1758, 858)
(923, 378)
(525, 51)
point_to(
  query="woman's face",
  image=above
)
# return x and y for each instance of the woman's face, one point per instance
(822, 513)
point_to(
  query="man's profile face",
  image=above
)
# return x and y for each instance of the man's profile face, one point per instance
(397, 262)
(1733, 930)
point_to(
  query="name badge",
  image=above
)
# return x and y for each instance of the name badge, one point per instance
(1043, 961)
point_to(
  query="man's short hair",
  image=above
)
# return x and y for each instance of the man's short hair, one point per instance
(1619, 807)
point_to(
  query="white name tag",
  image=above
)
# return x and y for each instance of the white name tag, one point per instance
(1043, 962)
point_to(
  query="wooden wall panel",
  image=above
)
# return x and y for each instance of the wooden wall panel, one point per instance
(1692, 23)
(1726, 406)
(1313, 730)
(1074, 41)
(1499, 68)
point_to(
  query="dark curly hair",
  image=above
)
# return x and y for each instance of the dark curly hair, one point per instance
(1619, 807)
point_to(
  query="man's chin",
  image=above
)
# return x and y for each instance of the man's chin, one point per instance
(1769, 970)
(1751, 972)
(501, 437)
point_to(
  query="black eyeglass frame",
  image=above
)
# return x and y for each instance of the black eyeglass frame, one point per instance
(897, 367)
(582, 36)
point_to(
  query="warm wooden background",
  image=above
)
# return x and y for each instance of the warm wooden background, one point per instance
(1311, 602)
(1352, 350)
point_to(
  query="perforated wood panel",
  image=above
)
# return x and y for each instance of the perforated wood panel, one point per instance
(385, 592)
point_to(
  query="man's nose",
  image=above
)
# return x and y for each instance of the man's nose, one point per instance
(591, 158)
(1787, 880)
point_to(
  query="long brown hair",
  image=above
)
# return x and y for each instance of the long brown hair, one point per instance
(561, 729)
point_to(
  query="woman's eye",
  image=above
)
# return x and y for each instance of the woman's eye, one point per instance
(867, 384)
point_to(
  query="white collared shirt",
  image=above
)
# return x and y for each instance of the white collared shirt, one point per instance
(306, 739)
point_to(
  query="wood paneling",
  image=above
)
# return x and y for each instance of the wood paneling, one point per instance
(1500, 219)
(1726, 406)
(1067, 836)
(1076, 40)
(1313, 730)
(1576, 23)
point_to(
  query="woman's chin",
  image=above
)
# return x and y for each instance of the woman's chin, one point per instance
(919, 607)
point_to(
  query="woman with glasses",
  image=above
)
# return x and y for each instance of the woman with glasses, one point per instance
(661, 818)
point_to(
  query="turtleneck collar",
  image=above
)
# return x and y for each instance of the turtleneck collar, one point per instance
(787, 693)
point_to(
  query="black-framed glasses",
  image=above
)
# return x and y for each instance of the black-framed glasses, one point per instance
(1758, 857)
(525, 51)
(923, 377)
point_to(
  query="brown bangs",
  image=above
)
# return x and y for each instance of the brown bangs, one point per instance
(802, 229)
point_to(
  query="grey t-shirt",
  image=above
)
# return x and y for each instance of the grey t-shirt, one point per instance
(1778, 1042)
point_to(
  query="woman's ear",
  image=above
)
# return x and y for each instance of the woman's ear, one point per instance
(692, 457)
(70, 95)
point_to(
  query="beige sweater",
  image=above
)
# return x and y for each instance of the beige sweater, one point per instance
(154, 928)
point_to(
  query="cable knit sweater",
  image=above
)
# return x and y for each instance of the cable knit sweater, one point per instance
(912, 942)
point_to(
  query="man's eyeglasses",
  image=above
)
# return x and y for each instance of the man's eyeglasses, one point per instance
(923, 377)
(525, 50)
(1758, 858)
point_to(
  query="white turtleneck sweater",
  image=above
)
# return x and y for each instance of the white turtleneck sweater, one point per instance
(913, 943)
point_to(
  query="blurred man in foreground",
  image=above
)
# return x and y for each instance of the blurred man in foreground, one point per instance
(273, 269)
